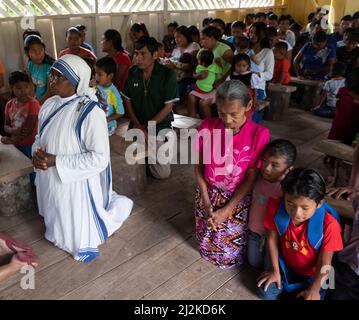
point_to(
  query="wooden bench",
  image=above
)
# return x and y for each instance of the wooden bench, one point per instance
(311, 94)
(343, 157)
(17, 196)
(279, 101)
(262, 105)
(343, 207)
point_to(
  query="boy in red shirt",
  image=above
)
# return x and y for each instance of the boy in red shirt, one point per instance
(21, 114)
(282, 65)
(303, 234)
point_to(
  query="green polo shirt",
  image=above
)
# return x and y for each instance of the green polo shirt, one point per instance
(162, 88)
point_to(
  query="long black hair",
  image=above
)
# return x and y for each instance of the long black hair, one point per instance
(115, 37)
(261, 33)
(140, 26)
(35, 39)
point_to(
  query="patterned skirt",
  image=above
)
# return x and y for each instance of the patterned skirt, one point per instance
(226, 247)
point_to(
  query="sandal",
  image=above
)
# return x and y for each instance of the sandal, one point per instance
(27, 257)
(14, 245)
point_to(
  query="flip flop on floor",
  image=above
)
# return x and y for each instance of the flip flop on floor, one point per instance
(14, 245)
(27, 257)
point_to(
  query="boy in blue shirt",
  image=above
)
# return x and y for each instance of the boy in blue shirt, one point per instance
(105, 71)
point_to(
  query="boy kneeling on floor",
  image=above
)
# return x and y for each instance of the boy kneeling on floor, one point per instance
(303, 234)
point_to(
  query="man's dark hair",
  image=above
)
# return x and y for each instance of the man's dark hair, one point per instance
(281, 46)
(206, 57)
(339, 69)
(306, 183)
(173, 24)
(320, 37)
(356, 15)
(273, 17)
(212, 32)
(146, 41)
(282, 148)
(347, 17)
(284, 17)
(107, 65)
(115, 37)
(238, 25)
(18, 76)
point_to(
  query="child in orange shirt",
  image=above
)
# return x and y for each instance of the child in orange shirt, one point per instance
(282, 65)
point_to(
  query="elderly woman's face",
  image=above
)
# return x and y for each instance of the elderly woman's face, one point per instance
(59, 85)
(232, 113)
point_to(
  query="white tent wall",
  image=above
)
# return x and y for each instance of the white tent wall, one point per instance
(53, 28)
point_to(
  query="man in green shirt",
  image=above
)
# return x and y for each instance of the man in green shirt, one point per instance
(149, 95)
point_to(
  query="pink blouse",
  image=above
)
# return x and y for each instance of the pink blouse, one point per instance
(227, 157)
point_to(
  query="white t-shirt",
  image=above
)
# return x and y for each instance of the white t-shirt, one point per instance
(290, 37)
(177, 52)
(333, 87)
(266, 66)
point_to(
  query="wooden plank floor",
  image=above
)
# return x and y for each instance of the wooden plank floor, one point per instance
(154, 255)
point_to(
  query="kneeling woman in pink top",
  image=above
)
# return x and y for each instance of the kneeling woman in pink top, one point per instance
(230, 149)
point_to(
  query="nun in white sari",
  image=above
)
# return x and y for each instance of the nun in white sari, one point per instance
(72, 157)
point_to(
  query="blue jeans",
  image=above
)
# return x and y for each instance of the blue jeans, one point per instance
(325, 111)
(257, 253)
(273, 292)
(261, 95)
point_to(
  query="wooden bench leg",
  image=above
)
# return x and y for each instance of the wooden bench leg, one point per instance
(311, 96)
(279, 103)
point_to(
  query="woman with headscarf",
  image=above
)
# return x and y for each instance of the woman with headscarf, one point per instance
(72, 157)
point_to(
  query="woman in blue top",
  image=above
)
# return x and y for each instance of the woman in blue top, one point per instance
(315, 59)
(39, 66)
